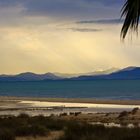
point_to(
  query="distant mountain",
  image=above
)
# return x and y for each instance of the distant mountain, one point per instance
(65, 75)
(127, 73)
(33, 76)
(129, 68)
(108, 71)
(29, 77)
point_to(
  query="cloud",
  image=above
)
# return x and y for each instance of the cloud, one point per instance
(85, 30)
(67, 8)
(108, 2)
(101, 21)
(35, 39)
(62, 2)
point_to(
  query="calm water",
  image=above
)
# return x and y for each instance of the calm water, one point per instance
(107, 89)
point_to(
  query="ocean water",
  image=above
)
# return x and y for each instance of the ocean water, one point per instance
(100, 89)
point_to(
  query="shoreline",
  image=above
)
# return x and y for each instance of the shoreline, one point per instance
(88, 108)
(72, 100)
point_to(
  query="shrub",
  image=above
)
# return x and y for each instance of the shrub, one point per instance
(73, 130)
(63, 114)
(23, 131)
(89, 132)
(35, 130)
(134, 111)
(123, 114)
(38, 130)
(6, 134)
(77, 113)
(53, 124)
(23, 115)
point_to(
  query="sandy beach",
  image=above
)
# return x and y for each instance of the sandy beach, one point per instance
(48, 106)
(71, 100)
(76, 105)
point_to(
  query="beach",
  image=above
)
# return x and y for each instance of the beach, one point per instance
(49, 106)
(72, 100)
(111, 114)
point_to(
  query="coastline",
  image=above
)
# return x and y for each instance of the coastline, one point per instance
(48, 106)
(92, 111)
(72, 100)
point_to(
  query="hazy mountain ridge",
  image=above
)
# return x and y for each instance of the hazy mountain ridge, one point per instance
(65, 75)
(28, 76)
(126, 73)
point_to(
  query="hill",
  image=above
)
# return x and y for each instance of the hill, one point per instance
(126, 73)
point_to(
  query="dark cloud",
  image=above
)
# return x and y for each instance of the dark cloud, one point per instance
(65, 2)
(110, 2)
(7, 3)
(85, 29)
(106, 2)
(101, 21)
(81, 9)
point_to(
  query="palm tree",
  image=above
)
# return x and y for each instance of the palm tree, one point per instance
(131, 12)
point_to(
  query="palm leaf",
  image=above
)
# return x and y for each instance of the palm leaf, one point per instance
(131, 12)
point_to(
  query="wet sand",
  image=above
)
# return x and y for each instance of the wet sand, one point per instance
(71, 100)
(89, 110)
(48, 106)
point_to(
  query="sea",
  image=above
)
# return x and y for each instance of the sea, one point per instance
(96, 89)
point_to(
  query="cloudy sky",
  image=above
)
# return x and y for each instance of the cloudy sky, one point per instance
(67, 36)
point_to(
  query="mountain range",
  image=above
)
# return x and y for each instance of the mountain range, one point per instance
(123, 74)
(126, 73)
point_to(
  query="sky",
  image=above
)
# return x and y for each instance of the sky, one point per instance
(66, 36)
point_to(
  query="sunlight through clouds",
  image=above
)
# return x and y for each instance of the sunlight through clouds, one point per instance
(39, 40)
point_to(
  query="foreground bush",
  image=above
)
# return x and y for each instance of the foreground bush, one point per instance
(23, 125)
(36, 130)
(89, 132)
(6, 134)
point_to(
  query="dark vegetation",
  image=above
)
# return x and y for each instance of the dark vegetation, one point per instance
(123, 114)
(23, 125)
(135, 110)
(99, 132)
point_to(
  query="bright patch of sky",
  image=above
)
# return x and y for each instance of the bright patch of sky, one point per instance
(67, 36)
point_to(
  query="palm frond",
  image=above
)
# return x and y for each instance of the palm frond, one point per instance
(131, 12)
